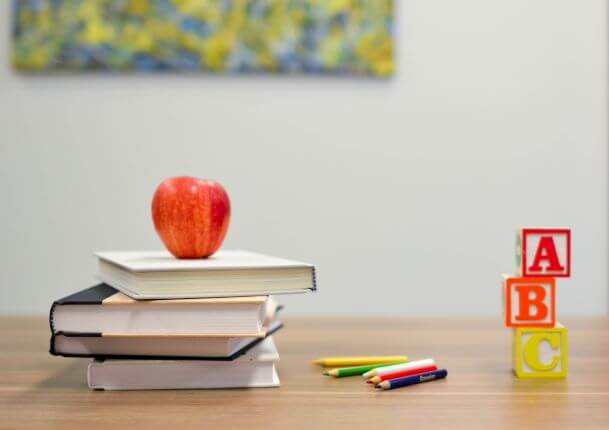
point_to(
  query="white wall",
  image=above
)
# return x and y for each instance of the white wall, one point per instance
(405, 193)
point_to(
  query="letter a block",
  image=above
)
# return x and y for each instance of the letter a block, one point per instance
(530, 302)
(540, 352)
(544, 251)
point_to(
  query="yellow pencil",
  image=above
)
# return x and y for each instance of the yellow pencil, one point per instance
(359, 361)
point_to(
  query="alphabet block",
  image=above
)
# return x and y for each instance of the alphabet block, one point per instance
(529, 302)
(540, 352)
(544, 251)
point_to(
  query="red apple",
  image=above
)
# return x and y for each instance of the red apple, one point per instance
(191, 215)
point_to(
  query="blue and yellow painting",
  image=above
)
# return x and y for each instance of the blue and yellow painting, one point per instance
(218, 36)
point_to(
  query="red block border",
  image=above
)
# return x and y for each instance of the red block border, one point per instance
(526, 231)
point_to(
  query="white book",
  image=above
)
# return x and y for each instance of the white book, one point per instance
(254, 369)
(159, 275)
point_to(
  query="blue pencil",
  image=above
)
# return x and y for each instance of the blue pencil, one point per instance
(412, 379)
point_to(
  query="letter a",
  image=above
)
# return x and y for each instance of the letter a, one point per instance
(546, 251)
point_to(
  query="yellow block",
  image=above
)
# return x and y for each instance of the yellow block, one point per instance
(540, 352)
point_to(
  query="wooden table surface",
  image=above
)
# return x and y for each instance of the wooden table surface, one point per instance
(40, 391)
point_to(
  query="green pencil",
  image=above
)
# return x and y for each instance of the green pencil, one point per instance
(356, 370)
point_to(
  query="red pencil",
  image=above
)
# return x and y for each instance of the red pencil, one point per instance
(400, 373)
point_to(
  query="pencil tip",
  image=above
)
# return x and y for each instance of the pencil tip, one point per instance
(318, 361)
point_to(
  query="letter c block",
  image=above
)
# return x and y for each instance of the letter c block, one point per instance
(540, 352)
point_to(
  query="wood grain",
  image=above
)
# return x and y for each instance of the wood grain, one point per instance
(41, 391)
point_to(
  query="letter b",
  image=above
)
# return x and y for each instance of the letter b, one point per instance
(530, 302)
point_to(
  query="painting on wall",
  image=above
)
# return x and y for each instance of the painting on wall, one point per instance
(353, 37)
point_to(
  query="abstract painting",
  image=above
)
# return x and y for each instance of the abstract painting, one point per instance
(217, 36)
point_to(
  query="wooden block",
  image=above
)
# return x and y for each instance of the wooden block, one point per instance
(544, 251)
(529, 302)
(540, 352)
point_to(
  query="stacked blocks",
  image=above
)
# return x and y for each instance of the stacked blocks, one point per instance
(540, 342)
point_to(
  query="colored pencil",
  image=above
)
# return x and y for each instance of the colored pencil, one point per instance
(359, 361)
(411, 380)
(401, 373)
(388, 369)
(354, 370)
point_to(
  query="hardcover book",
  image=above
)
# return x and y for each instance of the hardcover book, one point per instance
(254, 369)
(159, 275)
(105, 311)
(166, 347)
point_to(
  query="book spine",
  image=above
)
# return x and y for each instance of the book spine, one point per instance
(51, 315)
(52, 350)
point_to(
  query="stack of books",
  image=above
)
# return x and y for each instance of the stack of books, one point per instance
(157, 322)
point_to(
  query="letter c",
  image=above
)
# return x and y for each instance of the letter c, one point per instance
(531, 350)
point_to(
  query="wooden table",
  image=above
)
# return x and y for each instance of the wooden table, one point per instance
(40, 391)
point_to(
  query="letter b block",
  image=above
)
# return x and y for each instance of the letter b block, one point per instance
(544, 251)
(540, 352)
(530, 302)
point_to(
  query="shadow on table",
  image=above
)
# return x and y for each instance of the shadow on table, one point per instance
(64, 380)
(73, 375)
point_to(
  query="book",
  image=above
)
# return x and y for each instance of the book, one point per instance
(166, 347)
(159, 275)
(254, 369)
(105, 311)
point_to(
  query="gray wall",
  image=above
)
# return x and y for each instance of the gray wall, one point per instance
(405, 193)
